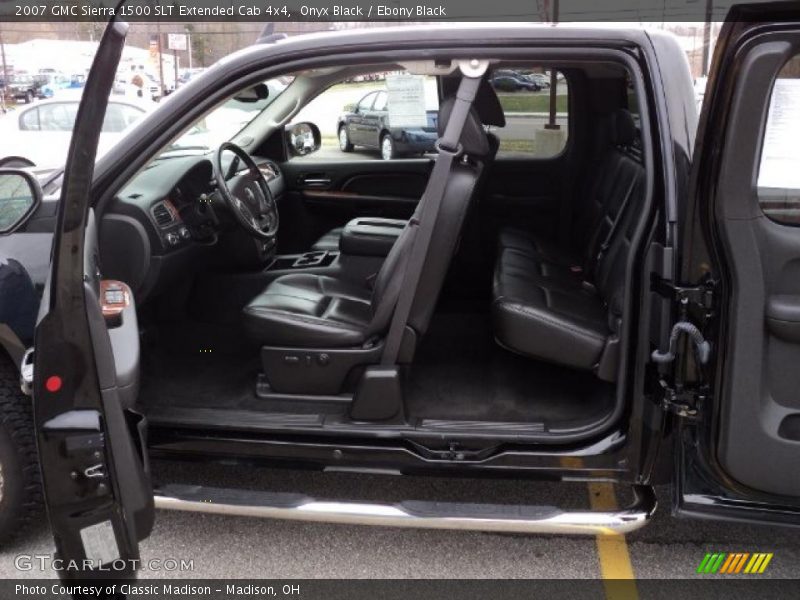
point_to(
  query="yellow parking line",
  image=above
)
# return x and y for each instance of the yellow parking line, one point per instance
(612, 549)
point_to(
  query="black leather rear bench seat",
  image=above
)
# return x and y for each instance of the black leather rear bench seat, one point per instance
(565, 305)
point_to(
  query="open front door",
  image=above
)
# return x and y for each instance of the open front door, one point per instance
(741, 447)
(91, 449)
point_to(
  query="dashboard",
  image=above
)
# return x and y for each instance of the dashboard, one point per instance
(167, 217)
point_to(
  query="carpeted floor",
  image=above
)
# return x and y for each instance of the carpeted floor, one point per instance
(460, 373)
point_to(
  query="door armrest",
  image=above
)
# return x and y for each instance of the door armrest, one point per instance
(783, 317)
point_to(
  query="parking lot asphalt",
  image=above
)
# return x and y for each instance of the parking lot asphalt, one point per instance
(238, 547)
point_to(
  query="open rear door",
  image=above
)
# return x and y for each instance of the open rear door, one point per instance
(97, 491)
(740, 446)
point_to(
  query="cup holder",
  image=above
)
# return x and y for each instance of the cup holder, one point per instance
(310, 259)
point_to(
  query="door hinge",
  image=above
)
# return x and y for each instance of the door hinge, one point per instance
(700, 295)
(683, 400)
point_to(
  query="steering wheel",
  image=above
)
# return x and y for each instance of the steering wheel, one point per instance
(247, 195)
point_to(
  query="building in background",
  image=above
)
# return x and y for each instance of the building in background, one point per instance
(73, 58)
(66, 47)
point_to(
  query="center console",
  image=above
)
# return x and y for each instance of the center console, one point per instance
(370, 236)
(364, 244)
(308, 260)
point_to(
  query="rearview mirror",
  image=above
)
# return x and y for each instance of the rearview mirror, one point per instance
(303, 138)
(20, 196)
(253, 94)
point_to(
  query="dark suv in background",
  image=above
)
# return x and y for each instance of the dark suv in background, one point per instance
(25, 87)
(511, 81)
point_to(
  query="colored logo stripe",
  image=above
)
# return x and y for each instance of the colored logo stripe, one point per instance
(758, 563)
(734, 563)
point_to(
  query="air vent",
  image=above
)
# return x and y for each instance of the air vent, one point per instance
(268, 171)
(163, 215)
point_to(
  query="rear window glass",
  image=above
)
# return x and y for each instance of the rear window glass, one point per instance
(119, 117)
(29, 120)
(58, 117)
(535, 101)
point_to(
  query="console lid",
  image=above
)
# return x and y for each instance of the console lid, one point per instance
(370, 236)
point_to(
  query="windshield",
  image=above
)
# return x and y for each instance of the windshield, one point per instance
(224, 122)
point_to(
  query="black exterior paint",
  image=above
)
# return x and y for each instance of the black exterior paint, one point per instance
(121, 162)
(91, 473)
(628, 453)
(625, 460)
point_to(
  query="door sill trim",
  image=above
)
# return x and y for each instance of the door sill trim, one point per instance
(425, 515)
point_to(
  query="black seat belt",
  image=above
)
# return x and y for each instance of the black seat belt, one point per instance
(449, 149)
(615, 223)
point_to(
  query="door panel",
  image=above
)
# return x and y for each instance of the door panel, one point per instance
(91, 448)
(757, 445)
(358, 122)
(748, 442)
(321, 195)
(372, 126)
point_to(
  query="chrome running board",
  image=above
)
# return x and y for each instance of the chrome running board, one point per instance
(427, 515)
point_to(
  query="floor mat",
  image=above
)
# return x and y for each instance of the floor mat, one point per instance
(204, 366)
(201, 381)
(460, 372)
(198, 364)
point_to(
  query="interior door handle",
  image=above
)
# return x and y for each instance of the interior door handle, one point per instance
(315, 181)
(783, 317)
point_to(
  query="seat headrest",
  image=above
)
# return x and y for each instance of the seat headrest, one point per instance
(488, 106)
(473, 137)
(486, 102)
(623, 128)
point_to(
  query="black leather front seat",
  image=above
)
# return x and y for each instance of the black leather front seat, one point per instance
(312, 311)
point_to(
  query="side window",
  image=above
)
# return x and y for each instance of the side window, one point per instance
(537, 123)
(29, 120)
(119, 117)
(58, 117)
(403, 113)
(380, 101)
(779, 170)
(366, 102)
